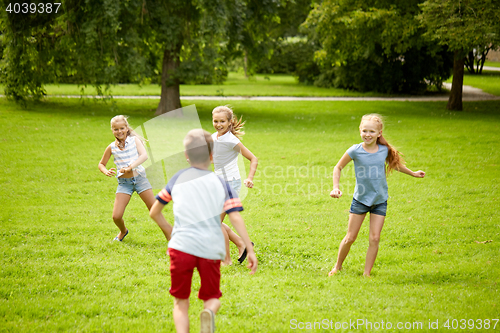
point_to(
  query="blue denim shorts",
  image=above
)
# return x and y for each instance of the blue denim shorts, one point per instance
(359, 208)
(138, 184)
(235, 185)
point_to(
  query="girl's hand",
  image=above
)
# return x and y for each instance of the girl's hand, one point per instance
(111, 172)
(248, 183)
(336, 193)
(419, 174)
(125, 170)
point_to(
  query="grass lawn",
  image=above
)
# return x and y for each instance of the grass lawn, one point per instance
(61, 271)
(235, 85)
(492, 63)
(489, 81)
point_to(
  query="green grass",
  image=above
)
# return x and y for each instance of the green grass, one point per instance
(492, 63)
(258, 85)
(488, 81)
(61, 271)
(235, 85)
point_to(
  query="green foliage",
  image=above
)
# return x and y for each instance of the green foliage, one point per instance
(373, 45)
(29, 52)
(291, 56)
(471, 27)
(250, 26)
(462, 25)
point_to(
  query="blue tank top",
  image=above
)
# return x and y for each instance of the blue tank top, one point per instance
(371, 184)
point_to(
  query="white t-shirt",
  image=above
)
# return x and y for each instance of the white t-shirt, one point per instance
(199, 197)
(225, 157)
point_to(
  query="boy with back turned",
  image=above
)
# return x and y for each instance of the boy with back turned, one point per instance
(196, 239)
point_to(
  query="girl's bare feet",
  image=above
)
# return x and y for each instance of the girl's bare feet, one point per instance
(366, 275)
(334, 271)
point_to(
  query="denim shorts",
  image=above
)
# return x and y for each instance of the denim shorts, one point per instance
(235, 185)
(359, 208)
(138, 184)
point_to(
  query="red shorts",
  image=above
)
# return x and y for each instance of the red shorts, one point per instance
(181, 272)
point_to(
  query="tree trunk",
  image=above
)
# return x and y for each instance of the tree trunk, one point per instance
(470, 62)
(455, 100)
(245, 63)
(170, 96)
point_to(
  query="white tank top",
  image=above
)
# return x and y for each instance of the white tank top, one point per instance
(123, 158)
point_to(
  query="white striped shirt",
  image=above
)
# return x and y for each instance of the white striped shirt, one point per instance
(123, 158)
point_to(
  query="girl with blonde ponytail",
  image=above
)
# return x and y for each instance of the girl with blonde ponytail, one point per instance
(374, 158)
(227, 146)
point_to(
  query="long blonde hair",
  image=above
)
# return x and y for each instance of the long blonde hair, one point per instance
(130, 131)
(394, 157)
(235, 125)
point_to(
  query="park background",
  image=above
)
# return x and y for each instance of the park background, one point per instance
(438, 259)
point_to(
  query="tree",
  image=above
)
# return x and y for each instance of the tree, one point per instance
(375, 45)
(101, 42)
(250, 23)
(463, 26)
(185, 32)
(84, 41)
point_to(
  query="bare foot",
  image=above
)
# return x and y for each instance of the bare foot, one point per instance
(226, 263)
(367, 275)
(334, 271)
(241, 250)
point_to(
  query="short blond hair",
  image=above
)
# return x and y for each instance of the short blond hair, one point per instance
(198, 144)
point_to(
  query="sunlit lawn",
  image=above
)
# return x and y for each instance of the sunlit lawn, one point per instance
(235, 85)
(62, 272)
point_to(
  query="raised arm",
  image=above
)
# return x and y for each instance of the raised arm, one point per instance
(158, 217)
(337, 170)
(104, 161)
(404, 169)
(253, 163)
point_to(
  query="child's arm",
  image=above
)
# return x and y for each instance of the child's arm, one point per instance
(158, 217)
(337, 170)
(143, 156)
(253, 163)
(104, 160)
(404, 169)
(239, 225)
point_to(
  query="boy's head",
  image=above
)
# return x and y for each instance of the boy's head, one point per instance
(198, 144)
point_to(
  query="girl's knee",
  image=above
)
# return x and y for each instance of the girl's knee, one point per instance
(374, 240)
(349, 239)
(117, 217)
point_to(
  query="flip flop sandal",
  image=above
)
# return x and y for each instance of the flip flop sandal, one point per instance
(118, 239)
(243, 255)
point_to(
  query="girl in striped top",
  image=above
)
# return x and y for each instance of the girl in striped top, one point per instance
(129, 153)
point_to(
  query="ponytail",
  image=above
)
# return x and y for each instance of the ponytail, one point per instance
(394, 158)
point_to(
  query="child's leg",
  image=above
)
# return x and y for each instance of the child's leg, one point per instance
(121, 202)
(212, 304)
(355, 222)
(209, 292)
(227, 260)
(376, 224)
(233, 237)
(181, 315)
(148, 198)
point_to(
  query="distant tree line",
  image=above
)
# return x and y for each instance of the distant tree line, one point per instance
(389, 46)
